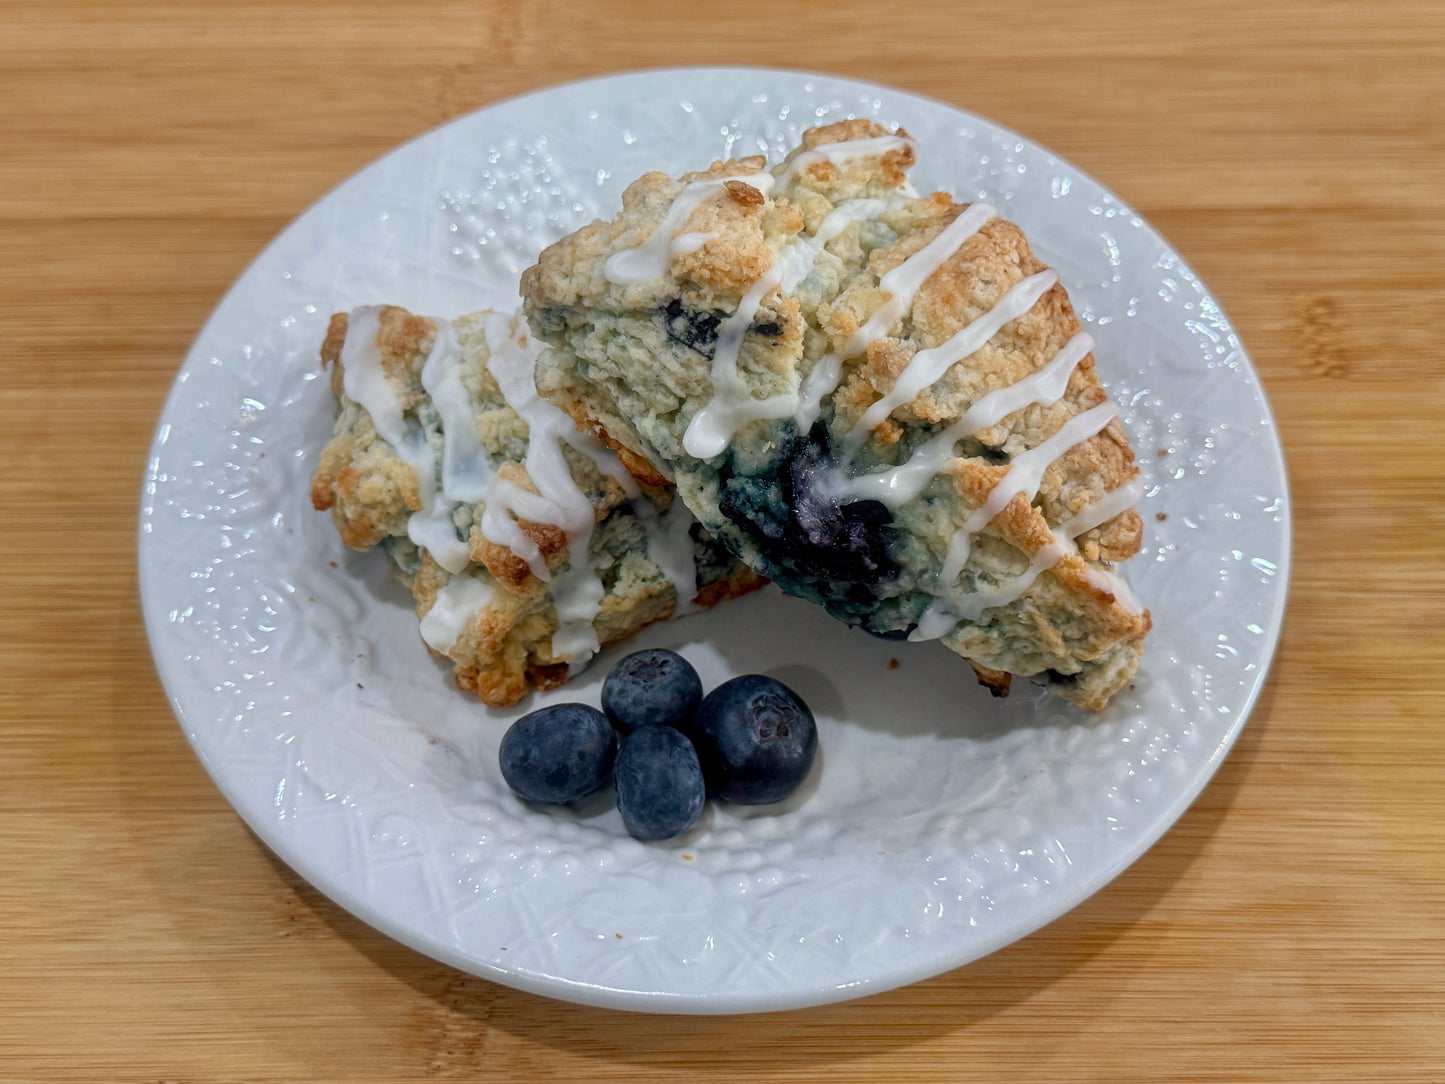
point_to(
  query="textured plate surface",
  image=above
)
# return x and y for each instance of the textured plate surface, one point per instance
(939, 824)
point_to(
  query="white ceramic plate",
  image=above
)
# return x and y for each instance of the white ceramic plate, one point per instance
(940, 824)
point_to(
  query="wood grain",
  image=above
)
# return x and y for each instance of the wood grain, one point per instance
(1290, 927)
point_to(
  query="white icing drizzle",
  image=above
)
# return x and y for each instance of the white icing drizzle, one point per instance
(798, 261)
(822, 378)
(456, 602)
(1025, 475)
(1099, 512)
(927, 366)
(685, 244)
(905, 280)
(905, 483)
(940, 618)
(435, 531)
(669, 544)
(903, 284)
(799, 258)
(504, 498)
(936, 621)
(1110, 582)
(365, 382)
(839, 153)
(1104, 509)
(605, 460)
(650, 259)
(466, 466)
(577, 592)
(363, 378)
(732, 404)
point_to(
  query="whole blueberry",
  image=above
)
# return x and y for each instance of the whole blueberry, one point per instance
(660, 789)
(651, 687)
(558, 753)
(755, 738)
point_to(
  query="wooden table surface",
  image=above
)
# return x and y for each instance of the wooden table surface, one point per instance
(1290, 926)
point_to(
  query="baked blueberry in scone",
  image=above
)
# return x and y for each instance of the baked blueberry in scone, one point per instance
(882, 401)
(525, 543)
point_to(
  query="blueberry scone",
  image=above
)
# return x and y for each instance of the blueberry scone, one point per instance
(525, 543)
(880, 400)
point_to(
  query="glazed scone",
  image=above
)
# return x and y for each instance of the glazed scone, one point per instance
(484, 496)
(881, 401)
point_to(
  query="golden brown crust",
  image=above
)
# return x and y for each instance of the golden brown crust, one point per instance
(368, 491)
(547, 677)
(734, 587)
(504, 565)
(640, 468)
(331, 350)
(889, 167)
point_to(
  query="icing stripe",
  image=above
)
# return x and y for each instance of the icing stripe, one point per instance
(1047, 385)
(577, 592)
(669, 545)
(1101, 511)
(799, 258)
(466, 466)
(838, 153)
(363, 378)
(650, 259)
(732, 404)
(1025, 475)
(926, 367)
(822, 379)
(905, 280)
(903, 284)
(941, 617)
(457, 601)
(466, 470)
(366, 383)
